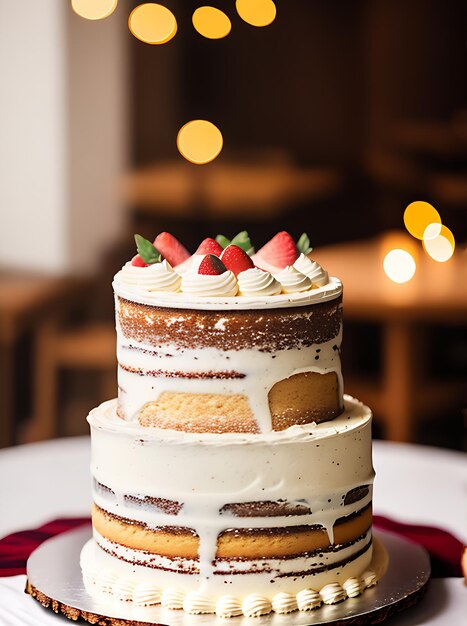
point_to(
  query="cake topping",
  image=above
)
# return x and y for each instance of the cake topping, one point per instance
(279, 252)
(228, 606)
(210, 284)
(255, 282)
(284, 603)
(308, 599)
(155, 277)
(209, 246)
(318, 276)
(147, 253)
(137, 261)
(353, 587)
(196, 603)
(236, 259)
(242, 240)
(292, 280)
(255, 605)
(171, 249)
(332, 593)
(146, 594)
(172, 598)
(211, 265)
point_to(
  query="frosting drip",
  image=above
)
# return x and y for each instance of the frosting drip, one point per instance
(255, 282)
(155, 277)
(292, 280)
(318, 276)
(205, 285)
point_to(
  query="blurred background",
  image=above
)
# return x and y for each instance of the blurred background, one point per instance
(334, 117)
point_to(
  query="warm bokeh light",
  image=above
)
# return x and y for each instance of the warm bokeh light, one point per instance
(211, 23)
(432, 231)
(199, 141)
(152, 23)
(94, 9)
(441, 248)
(257, 12)
(399, 265)
(418, 215)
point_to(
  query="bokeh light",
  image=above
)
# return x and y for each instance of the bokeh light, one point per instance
(211, 23)
(257, 12)
(152, 23)
(199, 141)
(432, 231)
(94, 9)
(399, 265)
(418, 215)
(441, 248)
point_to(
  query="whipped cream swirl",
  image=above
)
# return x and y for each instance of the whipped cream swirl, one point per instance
(292, 280)
(228, 606)
(124, 587)
(318, 276)
(353, 587)
(369, 578)
(155, 277)
(255, 605)
(284, 603)
(146, 594)
(256, 282)
(308, 599)
(172, 599)
(196, 603)
(223, 284)
(332, 593)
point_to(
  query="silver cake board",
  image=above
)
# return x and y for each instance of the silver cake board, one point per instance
(55, 580)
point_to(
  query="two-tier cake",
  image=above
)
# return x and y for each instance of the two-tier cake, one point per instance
(231, 475)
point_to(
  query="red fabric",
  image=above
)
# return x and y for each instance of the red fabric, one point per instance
(444, 549)
(16, 548)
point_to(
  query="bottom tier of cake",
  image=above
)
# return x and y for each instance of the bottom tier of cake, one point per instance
(232, 524)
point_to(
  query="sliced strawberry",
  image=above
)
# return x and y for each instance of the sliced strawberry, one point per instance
(279, 252)
(171, 249)
(209, 246)
(137, 261)
(236, 259)
(211, 265)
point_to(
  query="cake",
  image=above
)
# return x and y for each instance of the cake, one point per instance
(231, 475)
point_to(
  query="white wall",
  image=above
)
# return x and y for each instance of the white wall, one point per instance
(62, 135)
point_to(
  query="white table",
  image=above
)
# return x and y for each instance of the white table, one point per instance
(414, 484)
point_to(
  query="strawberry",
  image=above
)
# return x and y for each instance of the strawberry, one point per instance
(209, 246)
(171, 249)
(137, 261)
(236, 259)
(279, 252)
(211, 265)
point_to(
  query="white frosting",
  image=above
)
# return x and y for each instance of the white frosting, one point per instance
(312, 269)
(172, 599)
(353, 587)
(255, 605)
(197, 603)
(308, 599)
(146, 594)
(292, 280)
(196, 300)
(155, 277)
(284, 602)
(191, 264)
(123, 588)
(228, 606)
(260, 370)
(255, 282)
(369, 578)
(332, 593)
(206, 285)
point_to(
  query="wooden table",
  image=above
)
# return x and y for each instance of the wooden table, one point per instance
(27, 303)
(436, 295)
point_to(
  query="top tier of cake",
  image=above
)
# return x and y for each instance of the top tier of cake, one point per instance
(204, 347)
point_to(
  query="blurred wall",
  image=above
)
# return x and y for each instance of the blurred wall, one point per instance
(63, 123)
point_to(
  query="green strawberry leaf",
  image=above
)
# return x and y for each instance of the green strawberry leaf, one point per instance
(303, 244)
(223, 241)
(147, 251)
(243, 241)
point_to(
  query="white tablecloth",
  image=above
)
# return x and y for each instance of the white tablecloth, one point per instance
(414, 484)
